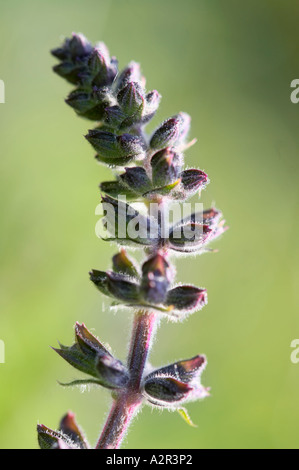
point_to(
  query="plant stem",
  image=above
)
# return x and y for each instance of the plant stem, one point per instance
(127, 403)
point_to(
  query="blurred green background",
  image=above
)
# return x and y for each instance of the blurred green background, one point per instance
(228, 64)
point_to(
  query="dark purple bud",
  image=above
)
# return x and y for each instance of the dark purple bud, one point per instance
(193, 180)
(88, 105)
(85, 356)
(122, 263)
(186, 299)
(82, 354)
(179, 382)
(131, 145)
(172, 132)
(127, 226)
(166, 166)
(113, 149)
(97, 63)
(75, 47)
(70, 72)
(131, 99)
(156, 278)
(105, 143)
(136, 179)
(166, 135)
(116, 285)
(130, 74)
(102, 70)
(79, 46)
(69, 427)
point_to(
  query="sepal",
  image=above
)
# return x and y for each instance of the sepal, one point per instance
(88, 355)
(175, 384)
(68, 436)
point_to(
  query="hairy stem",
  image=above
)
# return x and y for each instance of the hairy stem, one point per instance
(127, 403)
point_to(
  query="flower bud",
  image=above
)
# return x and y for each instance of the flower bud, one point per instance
(186, 299)
(156, 278)
(172, 132)
(74, 47)
(131, 99)
(166, 166)
(73, 55)
(71, 72)
(116, 285)
(127, 226)
(79, 46)
(85, 355)
(130, 74)
(136, 179)
(89, 105)
(102, 70)
(193, 180)
(113, 149)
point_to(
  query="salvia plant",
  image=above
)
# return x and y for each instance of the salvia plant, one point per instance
(148, 170)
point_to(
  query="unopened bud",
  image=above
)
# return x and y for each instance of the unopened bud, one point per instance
(131, 98)
(130, 74)
(156, 278)
(172, 132)
(136, 179)
(187, 299)
(166, 166)
(85, 355)
(193, 180)
(179, 382)
(113, 149)
(116, 286)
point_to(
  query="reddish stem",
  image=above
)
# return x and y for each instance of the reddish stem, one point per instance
(128, 402)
